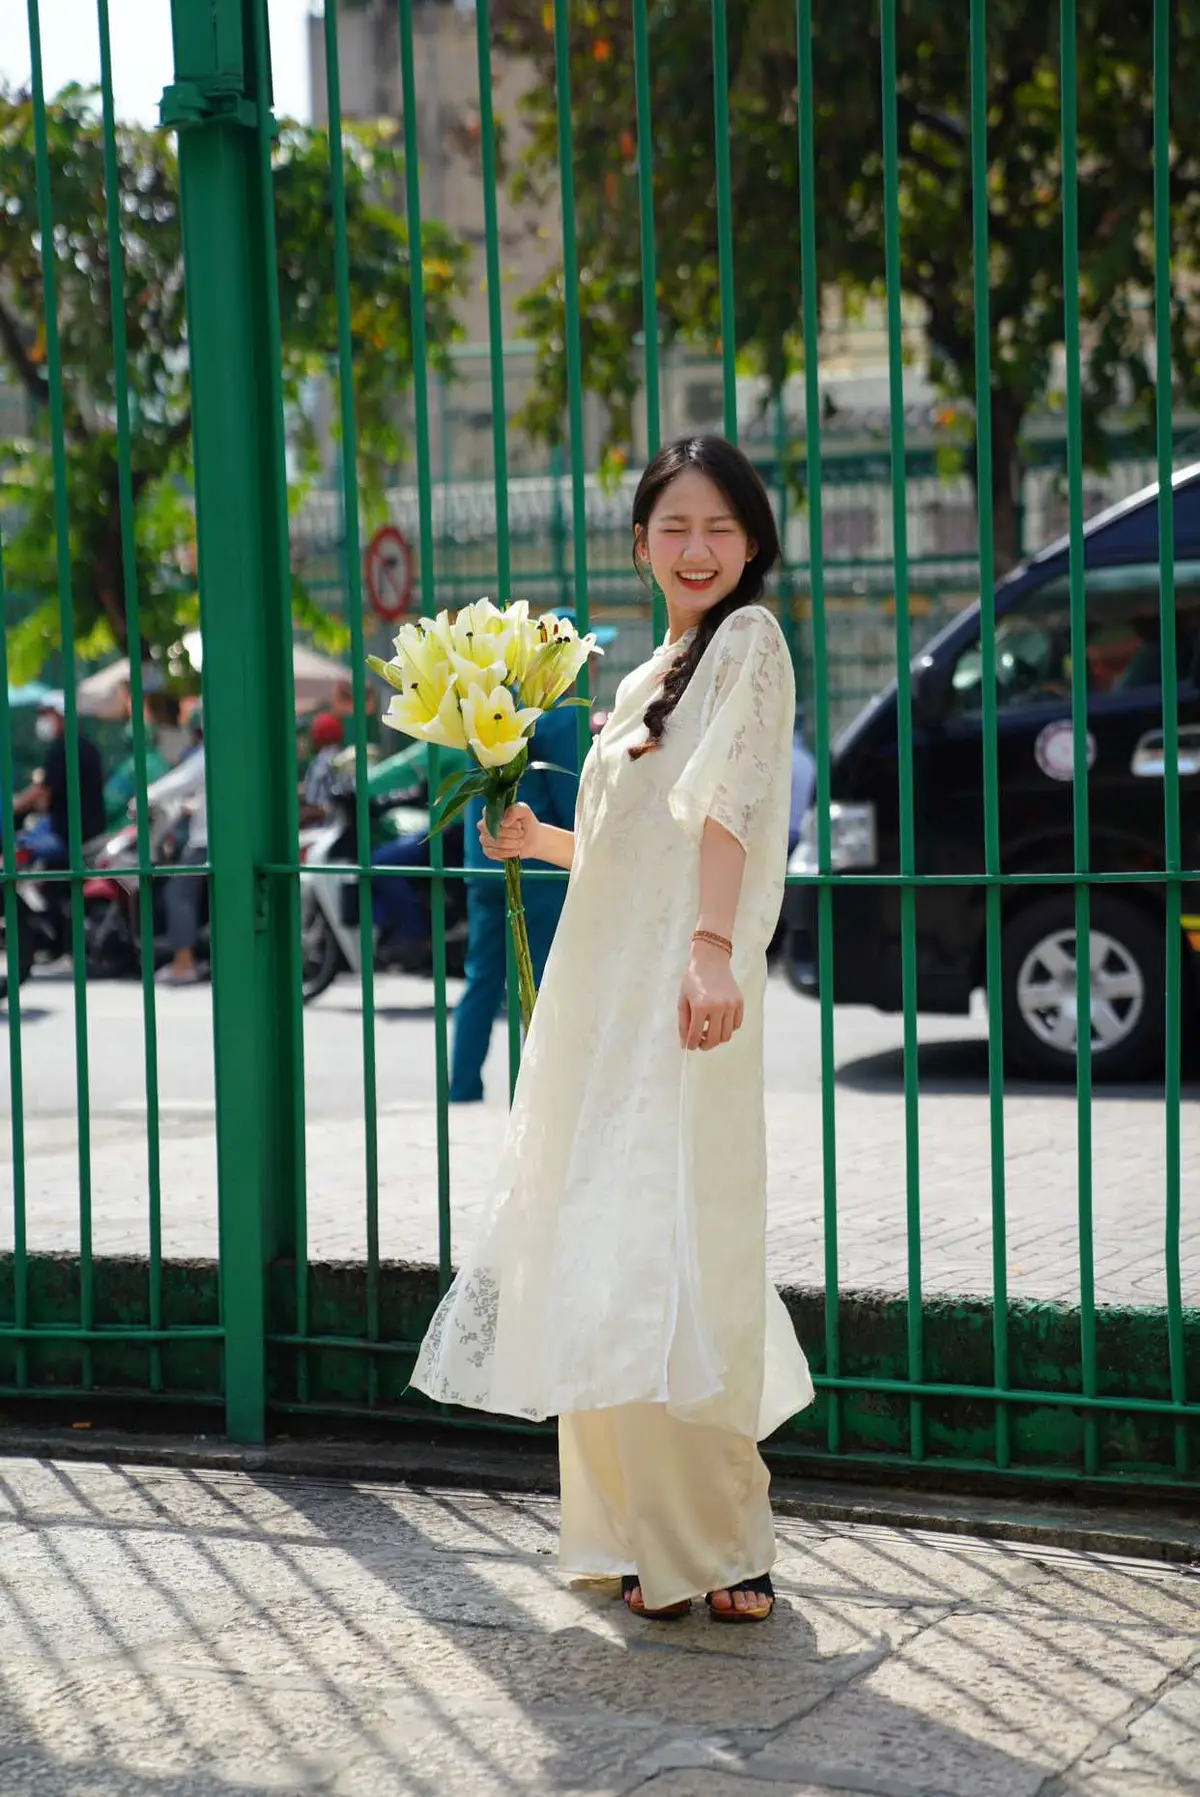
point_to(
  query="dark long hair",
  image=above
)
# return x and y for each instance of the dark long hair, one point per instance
(728, 469)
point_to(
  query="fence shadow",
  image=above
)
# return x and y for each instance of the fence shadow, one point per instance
(198, 1634)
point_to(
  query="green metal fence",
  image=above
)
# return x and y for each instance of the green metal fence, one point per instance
(1048, 1392)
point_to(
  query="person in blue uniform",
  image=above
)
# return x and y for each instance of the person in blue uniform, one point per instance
(553, 799)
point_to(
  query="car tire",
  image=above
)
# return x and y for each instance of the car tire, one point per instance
(1128, 989)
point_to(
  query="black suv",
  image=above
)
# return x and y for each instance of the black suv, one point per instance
(1125, 753)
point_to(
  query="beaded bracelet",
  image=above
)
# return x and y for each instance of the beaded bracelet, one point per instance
(711, 936)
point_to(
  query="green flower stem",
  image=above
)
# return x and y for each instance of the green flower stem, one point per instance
(516, 920)
(497, 801)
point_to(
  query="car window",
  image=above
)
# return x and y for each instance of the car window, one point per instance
(1124, 640)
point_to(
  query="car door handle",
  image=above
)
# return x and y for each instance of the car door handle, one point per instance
(1149, 760)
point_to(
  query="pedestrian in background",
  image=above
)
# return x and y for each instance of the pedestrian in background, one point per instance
(327, 737)
(185, 787)
(46, 798)
(552, 796)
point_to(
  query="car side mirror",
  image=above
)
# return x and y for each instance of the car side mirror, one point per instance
(932, 691)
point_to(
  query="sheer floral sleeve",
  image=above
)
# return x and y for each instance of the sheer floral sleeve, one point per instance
(749, 717)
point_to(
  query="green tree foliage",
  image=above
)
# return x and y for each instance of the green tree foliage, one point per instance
(160, 397)
(1024, 194)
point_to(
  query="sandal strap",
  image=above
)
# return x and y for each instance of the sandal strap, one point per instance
(629, 1582)
(760, 1586)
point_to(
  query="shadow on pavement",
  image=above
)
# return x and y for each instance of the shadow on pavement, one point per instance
(961, 1068)
(29, 1014)
(192, 1636)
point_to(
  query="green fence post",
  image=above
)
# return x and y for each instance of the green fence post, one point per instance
(217, 107)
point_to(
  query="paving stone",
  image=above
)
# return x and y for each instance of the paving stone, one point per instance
(985, 1704)
(168, 1634)
(1162, 1743)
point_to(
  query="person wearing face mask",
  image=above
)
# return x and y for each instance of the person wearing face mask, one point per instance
(49, 836)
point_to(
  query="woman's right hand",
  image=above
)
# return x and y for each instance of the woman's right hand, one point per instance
(517, 839)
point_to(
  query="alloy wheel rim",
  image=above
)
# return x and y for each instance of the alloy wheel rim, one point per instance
(1048, 992)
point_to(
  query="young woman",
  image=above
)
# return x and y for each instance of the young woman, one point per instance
(619, 1282)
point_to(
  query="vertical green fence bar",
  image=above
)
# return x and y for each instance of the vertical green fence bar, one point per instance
(720, 36)
(1079, 717)
(991, 760)
(495, 310)
(287, 894)
(904, 730)
(133, 630)
(354, 609)
(241, 518)
(811, 312)
(566, 169)
(66, 605)
(649, 258)
(12, 959)
(649, 244)
(787, 582)
(412, 190)
(1172, 841)
(491, 246)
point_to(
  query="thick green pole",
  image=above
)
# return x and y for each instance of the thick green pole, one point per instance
(241, 504)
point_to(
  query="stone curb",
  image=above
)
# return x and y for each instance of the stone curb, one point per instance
(1150, 1533)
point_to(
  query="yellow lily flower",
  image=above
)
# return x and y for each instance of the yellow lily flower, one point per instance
(471, 673)
(495, 729)
(555, 666)
(523, 640)
(408, 712)
(427, 699)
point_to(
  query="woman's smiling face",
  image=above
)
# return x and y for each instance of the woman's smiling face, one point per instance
(696, 546)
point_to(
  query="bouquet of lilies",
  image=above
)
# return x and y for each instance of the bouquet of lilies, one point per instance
(478, 681)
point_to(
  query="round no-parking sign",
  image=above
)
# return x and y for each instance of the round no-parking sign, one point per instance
(389, 573)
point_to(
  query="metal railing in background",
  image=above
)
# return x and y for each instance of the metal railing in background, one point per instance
(77, 1343)
(294, 1338)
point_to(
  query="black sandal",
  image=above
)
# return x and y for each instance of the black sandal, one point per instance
(631, 1583)
(760, 1587)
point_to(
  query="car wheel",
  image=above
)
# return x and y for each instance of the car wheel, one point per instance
(1041, 989)
(320, 954)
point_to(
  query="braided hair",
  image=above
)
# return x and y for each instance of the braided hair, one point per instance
(725, 465)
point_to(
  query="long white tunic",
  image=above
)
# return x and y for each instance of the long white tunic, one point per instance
(623, 1258)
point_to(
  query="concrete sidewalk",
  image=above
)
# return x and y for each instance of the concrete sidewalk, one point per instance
(200, 1634)
(1041, 1133)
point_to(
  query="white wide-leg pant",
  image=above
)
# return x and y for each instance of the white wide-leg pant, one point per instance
(684, 1506)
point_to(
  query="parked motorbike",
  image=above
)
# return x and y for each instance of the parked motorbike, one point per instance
(30, 903)
(329, 896)
(112, 910)
(43, 913)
